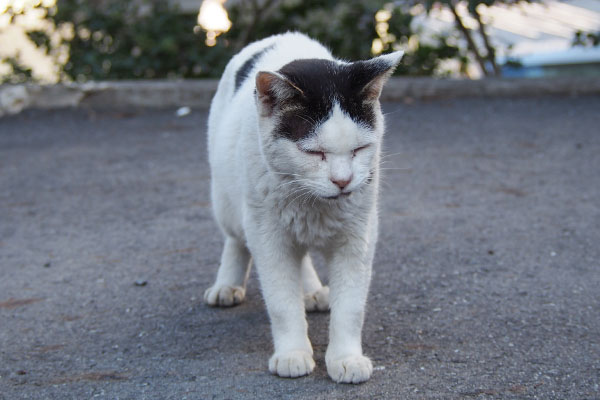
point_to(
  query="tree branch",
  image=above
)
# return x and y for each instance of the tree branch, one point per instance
(467, 34)
(491, 51)
(257, 14)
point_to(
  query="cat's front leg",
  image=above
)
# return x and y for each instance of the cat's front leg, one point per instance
(350, 275)
(279, 269)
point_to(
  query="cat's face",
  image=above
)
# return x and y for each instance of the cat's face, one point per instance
(321, 124)
(335, 160)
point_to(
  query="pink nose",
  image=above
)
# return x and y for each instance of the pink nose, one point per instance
(341, 183)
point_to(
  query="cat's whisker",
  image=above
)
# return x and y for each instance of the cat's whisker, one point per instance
(305, 199)
(285, 173)
(381, 162)
(383, 177)
(393, 112)
(281, 185)
(315, 197)
(388, 159)
(312, 197)
(300, 196)
(307, 118)
(385, 155)
(294, 179)
(395, 169)
(390, 162)
(385, 183)
(311, 121)
(293, 192)
(302, 191)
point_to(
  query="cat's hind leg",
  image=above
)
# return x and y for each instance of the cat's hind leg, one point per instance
(316, 296)
(229, 288)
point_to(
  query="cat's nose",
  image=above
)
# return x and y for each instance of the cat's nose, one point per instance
(341, 183)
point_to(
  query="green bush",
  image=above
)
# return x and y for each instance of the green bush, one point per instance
(115, 39)
(346, 27)
(128, 40)
(586, 39)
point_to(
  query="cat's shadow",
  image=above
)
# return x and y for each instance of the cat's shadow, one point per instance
(200, 330)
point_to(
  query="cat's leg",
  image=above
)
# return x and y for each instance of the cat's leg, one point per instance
(279, 270)
(229, 288)
(316, 296)
(350, 275)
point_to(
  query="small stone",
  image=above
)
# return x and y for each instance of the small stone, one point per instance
(47, 265)
(141, 282)
(183, 111)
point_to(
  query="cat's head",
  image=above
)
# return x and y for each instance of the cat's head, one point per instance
(320, 121)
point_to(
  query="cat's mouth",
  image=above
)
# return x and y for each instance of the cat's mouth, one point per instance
(337, 196)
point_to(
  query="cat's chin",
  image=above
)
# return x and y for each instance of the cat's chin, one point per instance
(337, 196)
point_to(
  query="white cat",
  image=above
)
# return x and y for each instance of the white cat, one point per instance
(294, 153)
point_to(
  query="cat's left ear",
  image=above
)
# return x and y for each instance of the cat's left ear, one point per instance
(380, 69)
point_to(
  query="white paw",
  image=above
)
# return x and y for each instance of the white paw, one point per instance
(224, 296)
(350, 369)
(291, 364)
(317, 300)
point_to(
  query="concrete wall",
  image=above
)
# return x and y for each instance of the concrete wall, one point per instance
(198, 93)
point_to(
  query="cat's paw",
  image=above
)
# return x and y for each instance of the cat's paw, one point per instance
(291, 364)
(350, 369)
(317, 300)
(224, 296)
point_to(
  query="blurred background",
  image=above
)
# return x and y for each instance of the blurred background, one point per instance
(49, 41)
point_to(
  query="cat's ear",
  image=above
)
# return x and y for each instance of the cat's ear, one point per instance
(272, 89)
(378, 69)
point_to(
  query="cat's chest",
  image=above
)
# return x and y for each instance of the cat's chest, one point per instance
(313, 224)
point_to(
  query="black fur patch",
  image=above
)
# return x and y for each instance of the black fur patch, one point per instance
(242, 74)
(324, 82)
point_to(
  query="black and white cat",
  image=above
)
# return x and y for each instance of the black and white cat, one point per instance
(294, 141)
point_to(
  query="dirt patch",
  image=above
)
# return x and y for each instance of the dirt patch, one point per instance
(12, 303)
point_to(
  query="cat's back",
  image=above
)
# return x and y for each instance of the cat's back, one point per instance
(270, 54)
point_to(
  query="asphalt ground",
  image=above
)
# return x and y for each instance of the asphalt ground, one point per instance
(486, 279)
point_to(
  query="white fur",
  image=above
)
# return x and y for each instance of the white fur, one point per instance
(269, 200)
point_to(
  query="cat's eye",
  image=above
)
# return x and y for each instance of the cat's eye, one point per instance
(359, 149)
(315, 153)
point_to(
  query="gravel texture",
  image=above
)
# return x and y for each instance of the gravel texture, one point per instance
(486, 281)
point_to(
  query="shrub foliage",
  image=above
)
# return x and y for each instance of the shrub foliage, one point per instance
(115, 39)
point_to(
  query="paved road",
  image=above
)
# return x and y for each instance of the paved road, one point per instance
(486, 282)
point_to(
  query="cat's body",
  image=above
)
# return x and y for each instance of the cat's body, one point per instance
(294, 158)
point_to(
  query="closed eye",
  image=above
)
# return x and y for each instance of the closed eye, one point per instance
(315, 153)
(359, 149)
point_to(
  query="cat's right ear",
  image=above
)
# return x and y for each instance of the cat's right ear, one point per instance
(271, 90)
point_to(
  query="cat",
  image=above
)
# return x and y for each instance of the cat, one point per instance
(294, 137)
